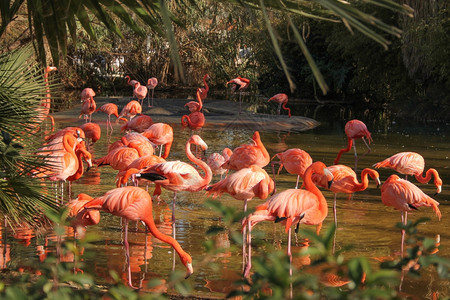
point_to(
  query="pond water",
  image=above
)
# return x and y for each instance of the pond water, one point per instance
(363, 221)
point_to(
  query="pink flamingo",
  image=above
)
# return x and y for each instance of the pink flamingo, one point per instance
(243, 85)
(88, 108)
(411, 163)
(295, 161)
(355, 129)
(345, 181)
(194, 121)
(151, 84)
(135, 204)
(44, 107)
(109, 109)
(138, 124)
(86, 94)
(292, 206)
(216, 160)
(282, 100)
(204, 91)
(130, 82)
(160, 134)
(179, 176)
(195, 106)
(140, 92)
(92, 131)
(134, 140)
(80, 218)
(130, 110)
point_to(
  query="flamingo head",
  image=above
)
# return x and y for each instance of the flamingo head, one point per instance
(206, 77)
(50, 68)
(187, 261)
(197, 140)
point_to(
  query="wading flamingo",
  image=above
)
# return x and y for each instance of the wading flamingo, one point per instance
(80, 218)
(244, 184)
(119, 158)
(109, 109)
(140, 92)
(355, 129)
(151, 84)
(216, 160)
(160, 134)
(249, 154)
(139, 123)
(194, 121)
(130, 110)
(195, 106)
(292, 206)
(294, 160)
(137, 166)
(405, 196)
(88, 108)
(204, 91)
(345, 181)
(282, 100)
(81, 153)
(86, 94)
(135, 204)
(134, 140)
(45, 104)
(411, 163)
(243, 85)
(179, 176)
(92, 131)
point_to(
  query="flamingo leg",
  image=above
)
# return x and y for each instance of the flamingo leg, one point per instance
(334, 210)
(296, 184)
(152, 95)
(367, 145)
(289, 253)
(173, 215)
(160, 150)
(356, 154)
(279, 108)
(274, 180)
(127, 252)
(240, 102)
(244, 235)
(249, 257)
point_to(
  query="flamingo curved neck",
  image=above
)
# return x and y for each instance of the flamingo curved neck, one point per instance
(310, 186)
(349, 146)
(200, 102)
(186, 120)
(364, 180)
(263, 149)
(208, 174)
(287, 108)
(425, 179)
(205, 83)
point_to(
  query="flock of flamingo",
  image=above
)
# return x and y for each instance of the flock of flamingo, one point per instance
(241, 170)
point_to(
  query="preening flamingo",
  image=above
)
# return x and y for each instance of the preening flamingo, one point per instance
(195, 106)
(293, 206)
(294, 160)
(355, 129)
(249, 154)
(345, 181)
(134, 140)
(244, 184)
(135, 204)
(216, 160)
(405, 196)
(411, 163)
(194, 121)
(160, 134)
(179, 176)
(139, 123)
(88, 108)
(92, 131)
(86, 94)
(80, 218)
(282, 100)
(81, 154)
(151, 84)
(109, 109)
(243, 85)
(204, 91)
(130, 110)
(140, 92)
(119, 158)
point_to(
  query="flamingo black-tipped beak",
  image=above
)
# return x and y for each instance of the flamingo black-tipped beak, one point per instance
(439, 189)
(190, 270)
(330, 183)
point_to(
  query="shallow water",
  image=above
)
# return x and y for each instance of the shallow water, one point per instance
(363, 221)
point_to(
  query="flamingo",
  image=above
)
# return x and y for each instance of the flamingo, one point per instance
(345, 181)
(204, 91)
(130, 82)
(194, 121)
(81, 153)
(246, 155)
(44, 107)
(135, 204)
(109, 109)
(138, 124)
(405, 196)
(216, 160)
(292, 206)
(140, 92)
(195, 106)
(179, 176)
(132, 109)
(243, 85)
(88, 108)
(134, 140)
(160, 134)
(119, 158)
(244, 184)
(79, 217)
(355, 129)
(282, 100)
(295, 161)
(86, 94)
(411, 163)
(92, 131)
(137, 166)
(151, 84)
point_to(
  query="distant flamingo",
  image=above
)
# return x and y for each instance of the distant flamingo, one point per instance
(246, 155)
(292, 206)
(411, 163)
(135, 204)
(179, 176)
(345, 181)
(244, 184)
(86, 94)
(243, 85)
(204, 91)
(355, 129)
(80, 218)
(140, 92)
(44, 106)
(151, 84)
(160, 134)
(194, 121)
(195, 106)
(405, 196)
(138, 124)
(92, 131)
(109, 109)
(216, 160)
(130, 110)
(294, 160)
(130, 82)
(281, 99)
(88, 108)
